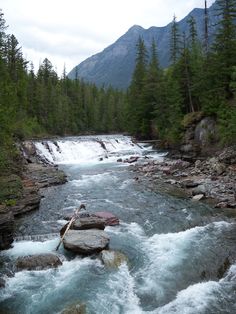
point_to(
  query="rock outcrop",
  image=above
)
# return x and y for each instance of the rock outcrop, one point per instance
(20, 194)
(38, 262)
(200, 136)
(6, 227)
(86, 241)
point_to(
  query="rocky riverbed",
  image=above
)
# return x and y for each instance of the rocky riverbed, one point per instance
(212, 179)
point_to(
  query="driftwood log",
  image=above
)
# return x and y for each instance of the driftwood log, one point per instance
(69, 224)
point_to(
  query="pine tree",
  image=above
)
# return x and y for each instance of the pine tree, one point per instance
(175, 42)
(136, 105)
(151, 91)
(225, 44)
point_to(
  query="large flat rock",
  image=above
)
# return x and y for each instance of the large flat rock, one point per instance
(89, 223)
(86, 241)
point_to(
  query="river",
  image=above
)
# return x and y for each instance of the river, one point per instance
(178, 250)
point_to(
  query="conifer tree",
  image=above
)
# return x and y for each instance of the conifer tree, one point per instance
(151, 91)
(136, 105)
(174, 41)
(225, 44)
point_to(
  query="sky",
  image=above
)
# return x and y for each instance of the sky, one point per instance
(69, 31)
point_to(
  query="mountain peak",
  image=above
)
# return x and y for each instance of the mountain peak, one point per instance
(136, 28)
(115, 64)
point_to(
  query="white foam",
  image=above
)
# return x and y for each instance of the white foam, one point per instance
(120, 296)
(167, 253)
(89, 150)
(39, 284)
(124, 229)
(194, 299)
(23, 248)
(105, 178)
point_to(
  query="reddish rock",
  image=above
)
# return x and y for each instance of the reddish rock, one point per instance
(110, 219)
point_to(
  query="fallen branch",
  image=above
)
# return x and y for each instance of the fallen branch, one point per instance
(69, 224)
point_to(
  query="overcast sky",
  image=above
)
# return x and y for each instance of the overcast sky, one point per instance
(69, 31)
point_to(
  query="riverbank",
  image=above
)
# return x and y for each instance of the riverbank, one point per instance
(21, 193)
(212, 179)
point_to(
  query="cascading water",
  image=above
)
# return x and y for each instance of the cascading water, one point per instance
(88, 149)
(178, 251)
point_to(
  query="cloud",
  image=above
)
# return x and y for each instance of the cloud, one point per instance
(70, 31)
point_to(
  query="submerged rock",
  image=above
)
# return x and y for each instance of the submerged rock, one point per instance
(86, 241)
(113, 258)
(110, 219)
(2, 283)
(38, 262)
(78, 308)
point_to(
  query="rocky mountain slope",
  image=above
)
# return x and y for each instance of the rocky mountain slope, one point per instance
(114, 65)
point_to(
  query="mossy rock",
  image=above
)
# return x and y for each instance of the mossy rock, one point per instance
(10, 189)
(192, 118)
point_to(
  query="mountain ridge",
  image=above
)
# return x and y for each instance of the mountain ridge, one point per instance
(114, 65)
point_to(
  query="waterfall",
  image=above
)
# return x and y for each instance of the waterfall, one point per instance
(89, 149)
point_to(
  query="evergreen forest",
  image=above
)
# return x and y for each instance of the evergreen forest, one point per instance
(201, 80)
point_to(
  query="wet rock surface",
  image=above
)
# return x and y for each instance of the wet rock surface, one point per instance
(6, 227)
(38, 262)
(89, 223)
(78, 308)
(112, 258)
(86, 241)
(110, 219)
(20, 194)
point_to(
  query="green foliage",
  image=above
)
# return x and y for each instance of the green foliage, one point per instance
(197, 83)
(192, 118)
(227, 123)
(10, 189)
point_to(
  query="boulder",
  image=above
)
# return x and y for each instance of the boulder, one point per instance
(89, 223)
(110, 219)
(85, 223)
(132, 159)
(217, 167)
(189, 184)
(38, 262)
(86, 241)
(205, 132)
(198, 197)
(113, 258)
(78, 308)
(228, 156)
(200, 189)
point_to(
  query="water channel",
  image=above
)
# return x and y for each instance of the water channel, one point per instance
(176, 248)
